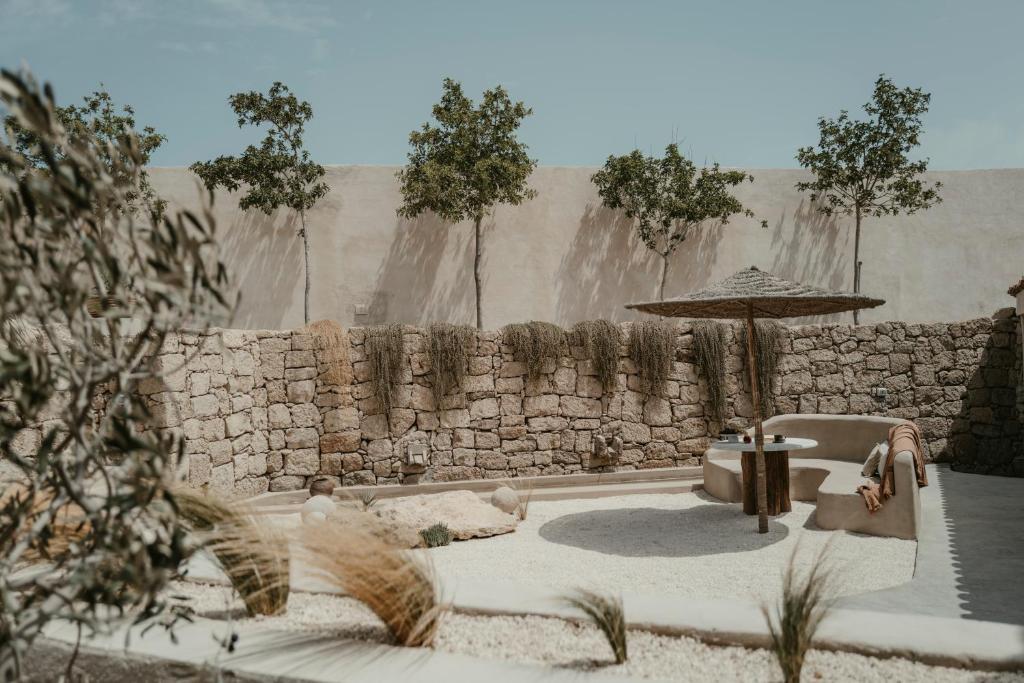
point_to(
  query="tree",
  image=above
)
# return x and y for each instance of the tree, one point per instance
(93, 511)
(668, 197)
(862, 167)
(467, 163)
(278, 172)
(97, 119)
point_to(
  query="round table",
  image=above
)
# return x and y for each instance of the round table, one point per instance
(776, 470)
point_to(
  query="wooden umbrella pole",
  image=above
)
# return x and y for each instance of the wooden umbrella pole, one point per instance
(755, 398)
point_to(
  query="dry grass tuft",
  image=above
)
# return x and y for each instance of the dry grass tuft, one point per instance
(709, 353)
(767, 335)
(252, 552)
(525, 493)
(385, 353)
(801, 609)
(396, 585)
(332, 342)
(600, 340)
(448, 356)
(652, 348)
(606, 614)
(533, 343)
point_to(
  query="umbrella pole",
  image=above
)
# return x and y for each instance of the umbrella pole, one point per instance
(761, 486)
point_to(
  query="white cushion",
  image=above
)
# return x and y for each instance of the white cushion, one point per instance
(876, 460)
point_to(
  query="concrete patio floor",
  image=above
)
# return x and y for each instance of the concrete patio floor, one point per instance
(970, 555)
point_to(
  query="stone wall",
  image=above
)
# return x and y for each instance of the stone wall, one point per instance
(257, 414)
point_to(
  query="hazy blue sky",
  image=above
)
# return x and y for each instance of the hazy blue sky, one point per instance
(738, 82)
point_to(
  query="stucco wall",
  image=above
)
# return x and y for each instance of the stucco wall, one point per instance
(562, 257)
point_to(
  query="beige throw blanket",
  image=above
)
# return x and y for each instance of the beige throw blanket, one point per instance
(902, 437)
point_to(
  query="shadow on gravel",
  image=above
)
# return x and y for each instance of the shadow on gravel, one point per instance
(708, 529)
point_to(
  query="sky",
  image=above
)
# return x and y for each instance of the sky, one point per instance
(738, 82)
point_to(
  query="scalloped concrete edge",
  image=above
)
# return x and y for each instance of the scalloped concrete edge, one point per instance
(941, 641)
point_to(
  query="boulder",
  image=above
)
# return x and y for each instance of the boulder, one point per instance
(317, 509)
(463, 511)
(505, 499)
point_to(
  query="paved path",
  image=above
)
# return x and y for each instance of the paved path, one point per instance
(970, 557)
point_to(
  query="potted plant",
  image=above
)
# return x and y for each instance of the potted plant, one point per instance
(729, 434)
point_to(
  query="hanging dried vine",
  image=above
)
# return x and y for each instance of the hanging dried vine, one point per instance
(448, 356)
(384, 352)
(331, 342)
(533, 343)
(767, 334)
(652, 347)
(600, 340)
(709, 353)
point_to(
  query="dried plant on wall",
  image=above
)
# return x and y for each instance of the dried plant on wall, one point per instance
(767, 334)
(385, 354)
(331, 341)
(709, 354)
(448, 356)
(652, 347)
(533, 343)
(600, 340)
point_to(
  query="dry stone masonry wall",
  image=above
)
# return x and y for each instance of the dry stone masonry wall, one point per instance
(257, 414)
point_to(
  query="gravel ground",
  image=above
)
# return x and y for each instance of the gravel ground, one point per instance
(679, 544)
(558, 643)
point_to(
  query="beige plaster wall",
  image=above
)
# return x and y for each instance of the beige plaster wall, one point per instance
(562, 257)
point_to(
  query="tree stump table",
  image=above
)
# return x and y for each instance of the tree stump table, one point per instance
(776, 471)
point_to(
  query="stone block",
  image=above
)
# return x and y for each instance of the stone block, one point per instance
(301, 392)
(302, 437)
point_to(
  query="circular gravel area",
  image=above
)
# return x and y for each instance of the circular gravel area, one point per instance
(680, 544)
(559, 643)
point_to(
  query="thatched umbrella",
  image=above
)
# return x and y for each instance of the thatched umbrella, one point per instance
(750, 294)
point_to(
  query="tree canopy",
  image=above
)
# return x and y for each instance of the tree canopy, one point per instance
(668, 196)
(865, 165)
(97, 119)
(279, 171)
(470, 159)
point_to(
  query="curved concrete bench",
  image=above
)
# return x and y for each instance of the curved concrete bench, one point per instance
(829, 473)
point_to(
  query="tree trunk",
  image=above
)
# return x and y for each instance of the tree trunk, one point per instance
(856, 260)
(664, 276)
(476, 271)
(305, 249)
(755, 399)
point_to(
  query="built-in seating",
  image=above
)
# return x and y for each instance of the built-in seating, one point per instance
(829, 473)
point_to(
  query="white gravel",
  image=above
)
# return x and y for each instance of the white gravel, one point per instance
(558, 643)
(679, 544)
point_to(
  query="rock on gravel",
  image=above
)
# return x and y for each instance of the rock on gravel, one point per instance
(505, 499)
(463, 511)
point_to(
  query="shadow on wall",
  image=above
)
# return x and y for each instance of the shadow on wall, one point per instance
(426, 274)
(264, 259)
(811, 254)
(607, 267)
(987, 434)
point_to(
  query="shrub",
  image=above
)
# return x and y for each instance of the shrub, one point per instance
(331, 341)
(606, 614)
(767, 334)
(396, 585)
(600, 340)
(709, 353)
(385, 353)
(533, 343)
(253, 552)
(94, 468)
(437, 535)
(448, 356)
(652, 347)
(801, 609)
